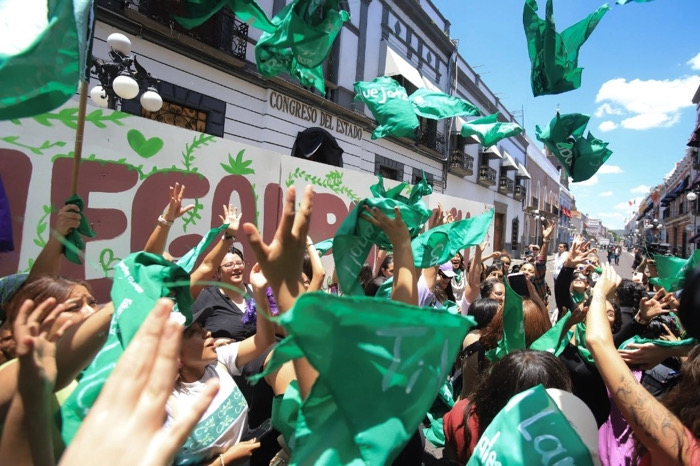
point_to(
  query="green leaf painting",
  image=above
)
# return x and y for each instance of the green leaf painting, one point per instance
(333, 181)
(238, 166)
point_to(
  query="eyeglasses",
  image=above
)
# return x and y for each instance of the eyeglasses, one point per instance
(231, 265)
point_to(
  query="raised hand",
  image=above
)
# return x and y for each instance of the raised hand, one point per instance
(547, 229)
(257, 278)
(232, 217)
(394, 228)
(578, 252)
(174, 209)
(439, 217)
(608, 282)
(281, 260)
(654, 306)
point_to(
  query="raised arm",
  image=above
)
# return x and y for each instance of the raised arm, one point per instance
(48, 262)
(212, 261)
(156, 242)
(281, 262)
(471, 293)
(657, 428)
(264, 337)
(405, 288)
(318, 273)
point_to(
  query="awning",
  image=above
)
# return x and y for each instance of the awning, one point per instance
(695, 137)
(427, 83)
(522, 173)
(492, 153)
(508, 162)
(469, 139)
(675, 192)
(396, 64)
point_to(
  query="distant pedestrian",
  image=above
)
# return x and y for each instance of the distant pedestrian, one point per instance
(618, 251)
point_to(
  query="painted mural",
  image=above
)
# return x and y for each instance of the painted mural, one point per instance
(128, 164)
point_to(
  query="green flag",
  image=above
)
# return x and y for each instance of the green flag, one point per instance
(388, 102)
(638, 340)
(488, 130)
(302, 39)
(581, 157)
(74, 239)
(42, 55)
(248, 11)
(672, 270)
(436, 105)
(139, 281)
(356, 236)
(380, 366)
(555, 339)
(513, 326)
(438, 245)
(531, 429)
(554, 56)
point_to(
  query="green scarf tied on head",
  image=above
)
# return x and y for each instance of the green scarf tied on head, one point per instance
(488, 130)
(554, 56)
(581, 157)
(380, 366)
(74, 239)
(356, 236)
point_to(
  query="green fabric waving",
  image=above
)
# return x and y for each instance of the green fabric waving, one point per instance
(139, 281)
(672, 270)
(74, 239)
(531, 429)
(437, 105)
(356, 236)
(638, 340)
(555, 339)
(48, 57)
(513, 326)
(438, 245)
(248, 11)
(581, 157)
(488, 130)
(388, 102)
(302, 39)
(322, 247)
(403, 354)
(554, 56)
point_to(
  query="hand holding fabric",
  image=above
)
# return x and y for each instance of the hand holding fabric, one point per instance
(608, 282)
(67, 219)
(74, 240)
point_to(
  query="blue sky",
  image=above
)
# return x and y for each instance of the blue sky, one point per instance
(641, 70)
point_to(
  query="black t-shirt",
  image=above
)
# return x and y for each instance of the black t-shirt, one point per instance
(225, 321)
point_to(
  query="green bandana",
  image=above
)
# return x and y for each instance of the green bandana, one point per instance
(580, 339)
(139, 281)
(554, 57)
(438, 245)
(322, 247)
(248, 11)
(581, 157)
(531, 429)
(488, 130)
(513, 328)
(303, 37)
(388, 102)
(45, 72)
(403, 354)
(637, 340)
(74, 241)
(553, 340)
(672, 270)
(437, 105)
(355, 236)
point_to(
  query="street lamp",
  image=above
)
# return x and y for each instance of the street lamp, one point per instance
(123, 77)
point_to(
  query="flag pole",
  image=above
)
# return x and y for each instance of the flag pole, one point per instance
(78, 150)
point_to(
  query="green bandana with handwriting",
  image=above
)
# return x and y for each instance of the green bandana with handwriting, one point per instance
(581, 157)
(356, 236)
(388, 102)
(380, 366)
(531, 429)
(74, 239)
(554, 56)
(437, 105)
(488, 130)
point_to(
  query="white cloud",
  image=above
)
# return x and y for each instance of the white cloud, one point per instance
(607, 126)
(641, 189)
(606, 194)
(592, 181)
(613, 215)
(694, 62)
(609, 170)
(624, 206)
(646, 104)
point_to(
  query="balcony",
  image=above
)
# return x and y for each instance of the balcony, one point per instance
(487, 176)
(431, 138)
(222, 32)
(461, 164)
(505, 185)
(520, 192)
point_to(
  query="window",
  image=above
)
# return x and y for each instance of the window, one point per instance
(184, 108)
(388, 168)
(418, 176)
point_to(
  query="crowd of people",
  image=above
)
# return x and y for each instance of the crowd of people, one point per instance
(182, 390)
